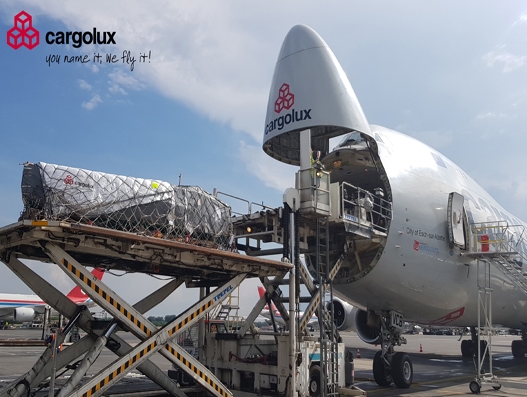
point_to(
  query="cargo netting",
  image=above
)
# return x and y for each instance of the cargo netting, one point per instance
(143, 206)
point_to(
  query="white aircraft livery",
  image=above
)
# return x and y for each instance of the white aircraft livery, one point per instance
(20, 307)
(408, 227)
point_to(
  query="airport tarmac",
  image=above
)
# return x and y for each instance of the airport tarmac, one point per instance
(439, 369)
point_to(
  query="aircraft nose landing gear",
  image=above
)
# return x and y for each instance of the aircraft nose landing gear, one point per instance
(389, 366)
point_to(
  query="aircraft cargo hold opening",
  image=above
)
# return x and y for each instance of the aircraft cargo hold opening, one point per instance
(361, 210)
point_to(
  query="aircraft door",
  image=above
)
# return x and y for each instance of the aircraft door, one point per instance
(456, 220)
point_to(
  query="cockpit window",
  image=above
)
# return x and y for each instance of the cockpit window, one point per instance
(351, 139)
(439, 161)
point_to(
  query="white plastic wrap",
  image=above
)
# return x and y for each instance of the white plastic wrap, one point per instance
(138, 205)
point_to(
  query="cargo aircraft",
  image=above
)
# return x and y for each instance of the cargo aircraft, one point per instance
(22, 308)
(411, 231)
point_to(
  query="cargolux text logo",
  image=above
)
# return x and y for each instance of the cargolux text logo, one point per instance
(286, 100)
(70, 182)
(23, 33)
(77, 39)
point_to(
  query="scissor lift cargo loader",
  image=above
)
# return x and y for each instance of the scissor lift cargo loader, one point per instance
(74, 246)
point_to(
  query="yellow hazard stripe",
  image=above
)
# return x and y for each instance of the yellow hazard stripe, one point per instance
(202, 375)
(190, 317)
(119, 370)
(335, 269)
(106, 296)
(309, 313)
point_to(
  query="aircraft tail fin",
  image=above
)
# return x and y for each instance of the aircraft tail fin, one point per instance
(77, 295)
(261, 292)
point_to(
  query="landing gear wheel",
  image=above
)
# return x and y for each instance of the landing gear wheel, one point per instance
(474, 387)
(518, 349)
(381, 372)
(497, 387)
(402, 370)
(315, 381)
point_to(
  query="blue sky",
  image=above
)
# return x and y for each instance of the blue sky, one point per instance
(452, 74)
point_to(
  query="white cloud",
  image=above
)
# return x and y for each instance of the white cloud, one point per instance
(271, 172)
(84, 85)
(119, 77)
(521, 20)
(92, 103)
(509, 61)
(94, 68)
(490, 116)
(116, 89)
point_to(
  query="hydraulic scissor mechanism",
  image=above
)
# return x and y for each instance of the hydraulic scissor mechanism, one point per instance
(71, 248)
(388, 365)
(130, 318)
(44, 366)
(153, 340)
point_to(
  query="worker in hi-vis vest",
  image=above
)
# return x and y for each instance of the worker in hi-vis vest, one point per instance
(314, 158)
(50, 340)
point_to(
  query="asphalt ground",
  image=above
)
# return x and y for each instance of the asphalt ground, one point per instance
(439, 369)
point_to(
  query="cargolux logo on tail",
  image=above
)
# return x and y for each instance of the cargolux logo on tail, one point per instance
(286, 100)
(23, 33)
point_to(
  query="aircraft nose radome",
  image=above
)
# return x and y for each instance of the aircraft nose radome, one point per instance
(300, 38)
(309, 90)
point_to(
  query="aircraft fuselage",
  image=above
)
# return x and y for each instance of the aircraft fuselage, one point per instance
(416, 272)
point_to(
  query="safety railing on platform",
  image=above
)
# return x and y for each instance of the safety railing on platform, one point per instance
(363, 208)
(313, 186)
(250, 204)
(505, 244)
(498, 237)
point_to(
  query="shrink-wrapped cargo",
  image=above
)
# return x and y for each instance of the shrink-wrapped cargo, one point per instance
(138, 205)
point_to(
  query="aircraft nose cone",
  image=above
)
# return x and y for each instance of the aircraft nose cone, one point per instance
(300, 38)
(309, 91)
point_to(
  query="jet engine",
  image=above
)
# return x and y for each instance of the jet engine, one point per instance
(22, 314)
(367, 326)
(349, 318)
(344, 315)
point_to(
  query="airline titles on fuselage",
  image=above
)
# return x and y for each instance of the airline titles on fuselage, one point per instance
(423, 233)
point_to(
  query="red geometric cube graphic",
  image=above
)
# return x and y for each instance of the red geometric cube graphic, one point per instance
(285, 99)
(15, 38)
(23, 33)
(31, 38)
(23, 20)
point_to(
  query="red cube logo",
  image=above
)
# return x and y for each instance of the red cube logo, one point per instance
(285, 99)
(23, 33)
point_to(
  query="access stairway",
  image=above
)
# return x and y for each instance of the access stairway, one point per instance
(499, 244)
